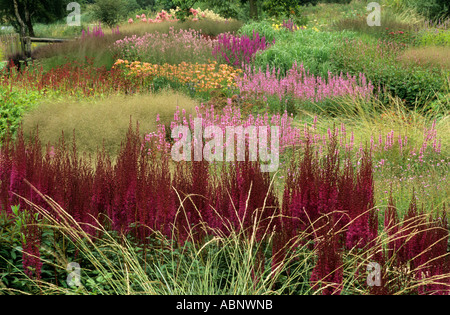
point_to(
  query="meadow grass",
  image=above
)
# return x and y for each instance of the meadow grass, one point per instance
(427, 57)
(104, 120)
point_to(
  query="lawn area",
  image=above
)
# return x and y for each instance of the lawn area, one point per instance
(197, 151)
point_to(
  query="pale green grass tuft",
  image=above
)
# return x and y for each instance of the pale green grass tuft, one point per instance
(103, 121)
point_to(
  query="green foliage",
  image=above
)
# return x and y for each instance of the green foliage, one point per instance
(228, 9)
(110, 12)
(391, 29)
(285, 8)
(146, 4)
(437, 37)
(310, 47)
(416, 85)
(36, 11)
(184, 9)
(336, 1)
(263, 28)
(432, 9)
(13, 105)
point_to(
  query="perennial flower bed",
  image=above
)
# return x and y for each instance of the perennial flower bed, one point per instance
(263, 196)
(201, 77)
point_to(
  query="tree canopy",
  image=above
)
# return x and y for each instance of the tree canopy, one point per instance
(32, 11)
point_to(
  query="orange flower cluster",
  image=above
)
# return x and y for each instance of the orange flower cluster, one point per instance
(203, 77)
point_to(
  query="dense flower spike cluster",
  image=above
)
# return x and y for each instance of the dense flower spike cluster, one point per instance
(239, 50)
(142, 48)
(97, 31)
(328, 197)
(301, 85)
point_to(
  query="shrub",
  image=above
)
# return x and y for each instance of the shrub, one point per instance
(434, 37)
(279, 8)
(109, 12)
(433, 9)
(310, 47)
(15, 103)
(378, 62)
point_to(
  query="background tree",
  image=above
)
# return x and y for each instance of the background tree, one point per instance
(28, 12)
(110, 12)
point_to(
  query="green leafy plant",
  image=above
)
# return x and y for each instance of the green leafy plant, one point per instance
(14, 103)
(310, 47)
(379, 61)
(286, 8)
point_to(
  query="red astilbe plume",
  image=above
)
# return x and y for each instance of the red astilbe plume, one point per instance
(312, 189)
(225, 199)
(191, 182)
(31, 243)
(329, 174)
(363, 216)
(411, 235)
(433, 260)
(6, 163)
(156, 201)
(301, 198)
(327, 275)
(344, 201)
(71, 177)
(102, 187)
(123, 209)
(253, 188)
(417, 247)
(391, 227)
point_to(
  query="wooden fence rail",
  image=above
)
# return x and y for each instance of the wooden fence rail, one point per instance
(28, 40)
